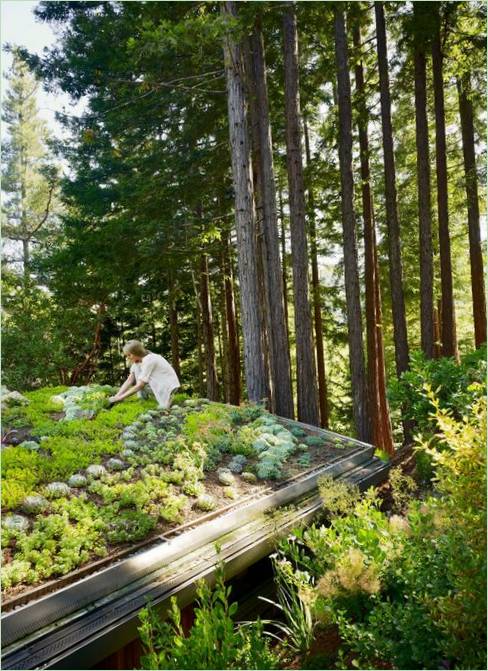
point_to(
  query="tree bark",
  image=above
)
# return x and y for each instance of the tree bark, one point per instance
(308, 410)
(393, 226)
(207, 330)
(234, 363)
(225, 376)
(448, 333)
(173, 325)
(382, 435)
(277, 336)
(283, 263)
(317, 307)
(354, 322)
(244, 212)
(200, 338)
(471, 184)
(424, 202)
(261, 262)
(437, 331)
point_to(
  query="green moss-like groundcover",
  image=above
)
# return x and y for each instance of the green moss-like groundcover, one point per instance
(154, 465)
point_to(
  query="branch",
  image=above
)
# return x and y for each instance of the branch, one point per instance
(46, 212)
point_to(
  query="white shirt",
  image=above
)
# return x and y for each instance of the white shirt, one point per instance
(155, 371)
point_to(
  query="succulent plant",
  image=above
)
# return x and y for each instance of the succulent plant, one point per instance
(57, 489)
(225, 476)
(313, 441)
(34, 504)
(237, 463)
(30, 445)
(116, 464)
(304, 460)
(205, 502)
(247, 476)
(230, 493)
(77, 480)
(96, 470)
(15, 522)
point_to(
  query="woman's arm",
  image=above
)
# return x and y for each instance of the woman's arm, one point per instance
(132, 390)
(127, 384)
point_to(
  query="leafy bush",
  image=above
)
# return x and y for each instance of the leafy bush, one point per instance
(410, 591)
(456, 386)
(213, 641)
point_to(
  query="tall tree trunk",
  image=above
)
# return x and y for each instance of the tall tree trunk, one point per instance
(395, 257)
(244, 213)
(308, 410)
(354, 322)
(378, 406)
(437, 331)
(225, 332)
(234, 364)
(283, 262)
(277, 337)
(207, 329)
(173, 325)
(261, 261)
(424, 201)
(471, 182)
(448, 333)
(317, 308)
(200, 339)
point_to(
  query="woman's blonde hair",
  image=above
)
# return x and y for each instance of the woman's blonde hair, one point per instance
(134, 347)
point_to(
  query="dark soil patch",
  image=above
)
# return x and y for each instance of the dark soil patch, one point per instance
(16, 436)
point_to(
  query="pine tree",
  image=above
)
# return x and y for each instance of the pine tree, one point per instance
(28, 180)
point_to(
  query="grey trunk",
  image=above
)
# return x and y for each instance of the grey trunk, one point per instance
(279, 355)
(244, 213)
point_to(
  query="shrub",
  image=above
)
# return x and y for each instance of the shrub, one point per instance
(213, 641)
(456, 386)
(410, 592)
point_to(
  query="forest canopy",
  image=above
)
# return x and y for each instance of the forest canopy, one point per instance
(283, 199)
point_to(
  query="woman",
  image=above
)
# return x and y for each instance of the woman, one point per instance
(147, 369)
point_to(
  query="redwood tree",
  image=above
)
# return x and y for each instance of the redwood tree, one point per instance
(423, 187)
(471, 185)
(354, 321)
(244, 212)
(378, 405)
(308, 410)
(279, 356)
(393, 225)
(448, 322)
